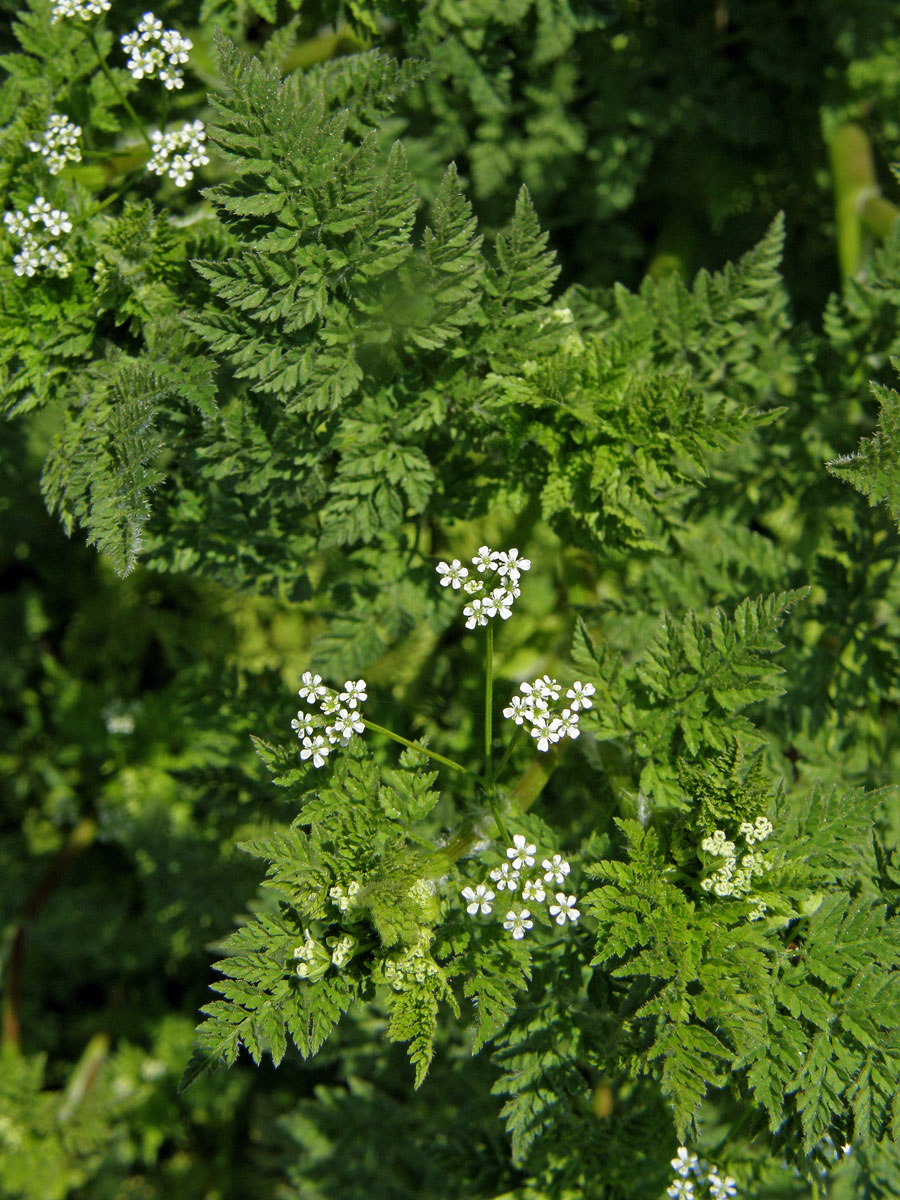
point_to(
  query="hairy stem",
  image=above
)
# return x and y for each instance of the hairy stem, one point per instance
(448, 762)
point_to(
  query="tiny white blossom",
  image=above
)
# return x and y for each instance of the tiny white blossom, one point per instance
(85, 9)
(564, 909)
(546, 688)
(39, 210)
(348, 722)
(680, 1189)
(502, 602)
(57, 222)
(27, 261)
(354, 692)
(177, 153)
(720, 1188)
(544, 731)
(317, 748)
(452, 574)
(567, 724)
(478, 898)
(763, 827)
(534, 890)
(555, 869)
(580, 695)
(312, 689)
(521, 852)
(518, 922)
(505, 877)
(473, 587)
(475, 614)
(519, 709)
(302, 725)
(17, 223)
(684, 1162)
(509, 565)
(484, 560)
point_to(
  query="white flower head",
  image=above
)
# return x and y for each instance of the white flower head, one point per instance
(564, 909)
(720, 1188)
(312, 689)
(555, 869)
(544, 731)
(316, 748)
(580, 695)
(354, 692)
(476, 613)
(509, 565)
(485, 559)
(518, 922)
(680, 1189)
(521, 852)
(177, 153)
(534, 890)
(478, 898)
(520, 709)
(567, 724)
(685, 1162)
(505, 876)
(302, 725)
(85, 9)
(452, 574)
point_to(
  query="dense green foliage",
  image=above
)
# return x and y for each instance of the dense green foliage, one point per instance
(598, 281)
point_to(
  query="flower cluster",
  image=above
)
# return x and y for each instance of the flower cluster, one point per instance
(691, 1172)
(547, 725)
(339, 716)
(59, 144)
(492, 595)
(37, 228)
(535, 888)
(86, 9)
(729, 879)
(315, 958)
(177, 153)
(154, 51)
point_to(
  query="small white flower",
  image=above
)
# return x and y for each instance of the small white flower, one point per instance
(580, 695)
(354, 692)
(150, 25)
(484, 560)
(763, 827)
(544, 731)
(312, 689)
(546, 688)
(720, 1188)
(680, 1189)
(518, 922)
(521, 852)
(505, 877)
(555, 869)
(475, 612)
(348, 722)
(520, 709)
(684, 1162)
(452, 574)
(509, 565)
(534, 890)
(564, 909)
(302, 725)
(317, 748)
(473, 587)
(39, 210)
(57, 222)
(27, 261)
(478, 898)
(17, 223)
(78, 8)
(567, 724)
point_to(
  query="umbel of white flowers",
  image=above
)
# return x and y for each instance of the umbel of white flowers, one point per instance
(339, 717)
(495, 592)
(156, 52)
(38, 228)
(549, 725)
(731, 879)
(693, 1173)
(534, 886)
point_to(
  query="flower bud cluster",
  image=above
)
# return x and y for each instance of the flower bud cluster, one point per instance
(178, 152)
(415, 965)
(154, 51)
(316, 958)
(59, 144)
(339, 717)
(492, 595)
(547, 725)
(536, 888)
(86, 9)
(37, 228)
(692, 1172)
(730, 878)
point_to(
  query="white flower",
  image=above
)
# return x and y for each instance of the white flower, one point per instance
(17, 223)
(27, 261)
(580, 695)
(312, 689)
(474, 587)
(564, 908)
(478, 898)
(505, 877)
(546, 688)
(39, 210)
(509, 565)
(534, 890)
(520, 709)
(521, 852)
(502, 602)
(684, 1162)
(452, 574)
(567, 724)
(485, 559)
(330, 705)
(544, 731)
(57, 222)
(177, 153)
(354, 692)
(518, 922)
(680, 1189)
(475, 613)
(555, 869)
(348, 722)
(302, 725)
(720, 1188)
(150, 25)
(317, 747)
(78, 8)
(763, 827)
(59, 143)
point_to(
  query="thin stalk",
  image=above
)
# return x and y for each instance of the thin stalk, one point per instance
(448, 762)
(135, 119)
(489, 710)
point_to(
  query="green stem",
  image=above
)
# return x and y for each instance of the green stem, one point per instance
(859, 206)
(448, 762)
(135, 119)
